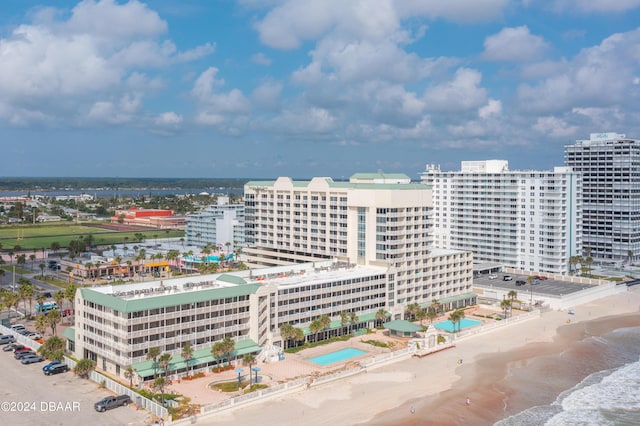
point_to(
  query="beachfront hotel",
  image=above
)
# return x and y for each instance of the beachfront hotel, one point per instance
(609, 163)
(528, 220)
(117, 325)
(373, 219)
(220, 224)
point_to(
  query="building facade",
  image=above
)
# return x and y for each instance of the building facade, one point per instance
(116, 326)
(221, 225)
(610, 166)
(374, 219)
(531, 220)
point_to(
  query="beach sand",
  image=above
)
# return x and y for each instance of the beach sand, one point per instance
(503, 372)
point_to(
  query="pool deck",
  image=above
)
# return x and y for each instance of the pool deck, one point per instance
(298, 365)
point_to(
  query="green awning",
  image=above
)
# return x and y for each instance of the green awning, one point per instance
(402, 326)
(69, 333)
(201, 356)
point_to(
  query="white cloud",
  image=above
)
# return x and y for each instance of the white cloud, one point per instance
(513, 45)
(119, 112)
(305, 121)
(261, 59)
(555, 127)
(290, 23)
(595, 6)
(267, 95)
(492, 108)
(168, 119)
(460, 93)
(58, 64)
(596, 77)
(216, 106)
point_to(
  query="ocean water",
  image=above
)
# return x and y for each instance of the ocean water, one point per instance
(610, 396)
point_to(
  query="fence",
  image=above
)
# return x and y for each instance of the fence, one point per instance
(96, 377)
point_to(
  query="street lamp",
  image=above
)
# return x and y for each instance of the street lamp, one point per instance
(239, 371)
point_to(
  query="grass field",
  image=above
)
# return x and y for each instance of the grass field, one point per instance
(38, 237)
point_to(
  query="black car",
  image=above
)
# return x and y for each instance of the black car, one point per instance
(56, 369)
(520, 282)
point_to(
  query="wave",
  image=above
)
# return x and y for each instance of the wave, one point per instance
(605, 397)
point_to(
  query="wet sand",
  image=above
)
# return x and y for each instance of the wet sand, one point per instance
(503, 384)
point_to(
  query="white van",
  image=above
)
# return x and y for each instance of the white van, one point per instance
(18, 327)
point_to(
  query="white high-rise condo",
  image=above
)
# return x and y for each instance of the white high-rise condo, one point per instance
(221, 224)
(530, 220)
(610, 166)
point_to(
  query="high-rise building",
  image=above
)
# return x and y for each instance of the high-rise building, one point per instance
(374, 219)
(530, 220)
(221, 224)
(610, 167)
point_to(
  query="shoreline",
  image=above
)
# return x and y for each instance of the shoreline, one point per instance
(436, 386)
(494, 383)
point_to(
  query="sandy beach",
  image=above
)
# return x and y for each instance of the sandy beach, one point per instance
(502, 372)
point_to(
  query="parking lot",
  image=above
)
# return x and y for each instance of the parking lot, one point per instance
(28, 397)
(548, 287)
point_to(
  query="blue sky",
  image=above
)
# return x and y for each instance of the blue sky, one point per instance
(302, 88)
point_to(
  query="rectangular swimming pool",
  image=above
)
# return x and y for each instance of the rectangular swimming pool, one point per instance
(337, 356)
(464, 323)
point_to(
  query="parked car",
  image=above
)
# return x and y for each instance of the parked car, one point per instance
(34, 336)
(31, 359)
(7, 338)
(56, 369)
(22, 348)
(51, 364)
(111, 402)
(520, 282)
(25, 332)
(492, 276)
(12, 347)
(18, 327)
(22, 354)
(507, 278)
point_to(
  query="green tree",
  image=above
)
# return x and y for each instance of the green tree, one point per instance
(217, 350)
(381, 315)
(506, 306)
(249, 360)
(421, 315)
(229, 345)
(41, 266)
(353, 320)
(158, 386)
(55, 246)
(53, 319)
(154, 353)
(512, 294)
(165, 362)
(187, 354)
(53, 349)
(84, 367)
(70, 294)
(431, 314)
(130, 373)
(454, 317)
(411, 310)
(40, 300)
(41, 324)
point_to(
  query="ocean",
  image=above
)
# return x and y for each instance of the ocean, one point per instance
(608, 395)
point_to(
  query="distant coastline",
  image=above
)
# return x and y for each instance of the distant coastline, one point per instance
(89, 185)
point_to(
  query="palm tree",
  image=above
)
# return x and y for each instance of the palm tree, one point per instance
(411, 310)
(53, 318)
(41, 325)
(40, 300)
(58, 296)
(158, 385)
(513, 294)
(353, 319)
(344, 319)
(187, 354)
(454, 317)
(461, 316)
(435, 305)
(228, 345)
(129, 373)
(154, 353)
(381, 315)
(286, 332)
(315, 328)
(41, 266)
(505, 305)
(29, 292)
(84, 367)
(431, 314)
(421, 315)
(70, 294)
(165, 362)
(325, 321)
(32, 258)
(55, 246)
(249, 359)
(217, 350)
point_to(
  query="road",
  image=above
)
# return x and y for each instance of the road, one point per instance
(28, 397)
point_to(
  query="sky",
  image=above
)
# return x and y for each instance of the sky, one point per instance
(304, 88)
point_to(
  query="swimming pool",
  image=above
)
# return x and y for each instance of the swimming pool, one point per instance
(337, 356)
(464, 323)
